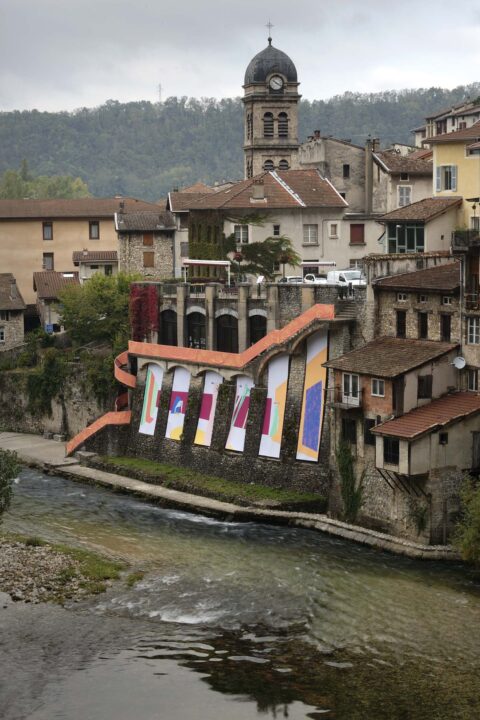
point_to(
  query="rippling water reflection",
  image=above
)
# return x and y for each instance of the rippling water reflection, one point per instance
(273, 620)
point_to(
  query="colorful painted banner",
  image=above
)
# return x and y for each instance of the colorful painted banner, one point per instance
(271, 440)
(236, 436)
(313, 393)
(151, 399)
(178, 404)
(203, 435)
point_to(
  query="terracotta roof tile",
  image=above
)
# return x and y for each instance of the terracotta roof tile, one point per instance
(440, 278)
(181, 201)
(397, 164)
(435, 415)
(94, 256)
(10, 297)
(423, 210)
(286, 189)
(49, 283)
(77, 208)
(388, 357)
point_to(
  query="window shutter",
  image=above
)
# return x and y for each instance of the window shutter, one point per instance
(438, 185)
(454, 177)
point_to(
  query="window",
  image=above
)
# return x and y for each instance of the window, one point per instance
(401, 323)
(422, 298)
(283, 165)
(406, 238)
(446, 177)
(108, 270)
(401, 297)
(357, 234)
(283, 127)
(349, 431)
(391, 451)
(445, 328)
(268, 165)
(351, 389)
(148, 239)
(443, 438)
(48, 231)
(268, 125)
(378, 387)
(148, 259)
(241, 234)
(94, 230)
(257, 326)
(346, 170)
(473, 330)
(403, 176)
(368, 436)
(276, 230)
(333, 230)
(47, 261)
(4, 315)
(424, 387)
(310, 234)
(227, 333)
(404, 195)
(2, 335)
(472, 380)
(422, 326)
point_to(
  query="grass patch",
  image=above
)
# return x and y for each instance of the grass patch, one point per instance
(134, 577)
(34, 541)
(208, 485)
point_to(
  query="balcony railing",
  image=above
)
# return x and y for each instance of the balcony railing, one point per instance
(226, 291)
(338, 398)
(472, 301)
(465, 239)
(196, 290)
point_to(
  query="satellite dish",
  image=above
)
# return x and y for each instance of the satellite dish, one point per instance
(459, 362)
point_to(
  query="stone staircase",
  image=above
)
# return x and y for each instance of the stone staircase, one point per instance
(346, 310)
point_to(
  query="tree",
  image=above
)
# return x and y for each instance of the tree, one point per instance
(467, 532)
(9, 468)
(352, 493)
(21, 184)
(260, 258)
(98, 310)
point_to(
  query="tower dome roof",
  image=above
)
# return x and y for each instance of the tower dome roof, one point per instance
(269, 61)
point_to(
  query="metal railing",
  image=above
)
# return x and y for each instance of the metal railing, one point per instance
(337, 397)
(196, 290)
(464, 239)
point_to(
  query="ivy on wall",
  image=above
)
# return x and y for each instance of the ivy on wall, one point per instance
(143, 311)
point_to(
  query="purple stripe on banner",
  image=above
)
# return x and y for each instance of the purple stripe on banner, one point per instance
(313, 411)
(266, 418)
(242, 413)
(206, 408)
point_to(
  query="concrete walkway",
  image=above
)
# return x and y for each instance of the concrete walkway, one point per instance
(49, 455)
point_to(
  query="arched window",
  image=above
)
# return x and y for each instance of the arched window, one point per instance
(268, 165)
(196, 331)
(168, 327)
(257, 326)
(249, 169)
(283, 165)
(227, 333)
(283, 125)
(268, 125)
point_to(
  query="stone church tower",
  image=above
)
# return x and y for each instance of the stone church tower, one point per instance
(271, 112)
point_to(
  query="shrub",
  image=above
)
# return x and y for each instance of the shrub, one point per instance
(352, 493)
(9, 468)
(467, 533)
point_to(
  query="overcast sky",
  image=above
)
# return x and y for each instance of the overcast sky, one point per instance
(66, 54)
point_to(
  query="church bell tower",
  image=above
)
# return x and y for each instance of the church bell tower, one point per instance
(270, 112)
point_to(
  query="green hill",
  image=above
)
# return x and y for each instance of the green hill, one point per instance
(145, 149)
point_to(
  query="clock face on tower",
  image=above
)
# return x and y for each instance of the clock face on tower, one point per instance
(276, 82)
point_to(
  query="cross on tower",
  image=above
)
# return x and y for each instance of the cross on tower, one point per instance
(269, 26)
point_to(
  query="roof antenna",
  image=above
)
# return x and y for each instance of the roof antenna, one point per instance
(269, 26)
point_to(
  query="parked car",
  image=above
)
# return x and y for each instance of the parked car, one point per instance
(315, 279)
(295, 279)
(349, 278)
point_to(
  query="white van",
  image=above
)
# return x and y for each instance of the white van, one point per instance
(351, 277)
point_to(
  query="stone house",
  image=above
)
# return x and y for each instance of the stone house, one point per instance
(48, 285)
(146, 243)
(12, 308)
(38, 235)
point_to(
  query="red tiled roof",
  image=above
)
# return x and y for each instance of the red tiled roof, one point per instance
(470, 133)
(388, 357)
(421, 154)
(282, 189)
(423, 210)
(181, 201)
(435, 415)
(49, 283)
(10, 297)
(444, 278)
(94, 256)
(77, 208)
(397, 164)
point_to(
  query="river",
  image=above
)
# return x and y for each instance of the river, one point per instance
(234, 620)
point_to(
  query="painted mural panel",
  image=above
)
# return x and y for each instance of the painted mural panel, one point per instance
(271, 439)
(203, 435)
(151, 400)
(313, 397)
(178, 404)
(236, 436)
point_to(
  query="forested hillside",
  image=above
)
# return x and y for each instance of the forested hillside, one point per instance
(145, 149)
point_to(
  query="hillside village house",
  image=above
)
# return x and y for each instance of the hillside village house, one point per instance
(12, 308)
(90, 262)
(459, 117)
(48, 285)
(38, 235)
(146, 243)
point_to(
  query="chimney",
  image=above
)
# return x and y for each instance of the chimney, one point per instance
(13, 289)
(258, 190)
(316, 134)
(375, 144)
(369, 174)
